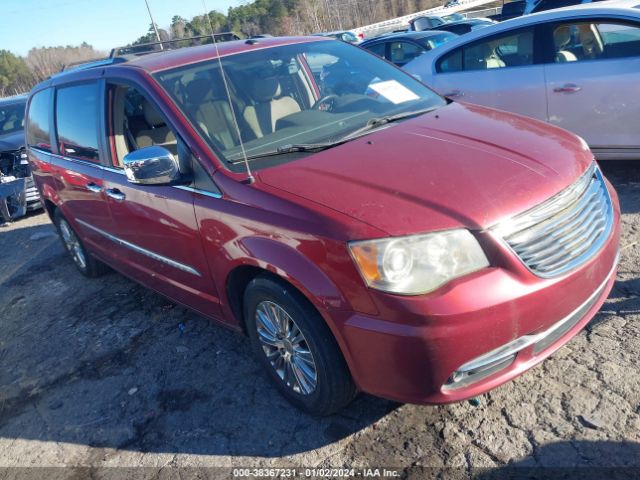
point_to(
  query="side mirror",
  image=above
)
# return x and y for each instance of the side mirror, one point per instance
(152, 165)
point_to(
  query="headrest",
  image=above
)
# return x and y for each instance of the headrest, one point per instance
(151, 115)
(199, 90)
(266, 89)
(562, 36)
(590, 40)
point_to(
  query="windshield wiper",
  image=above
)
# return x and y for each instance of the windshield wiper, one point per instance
(284, 149)
(317, 147)
(379, 121)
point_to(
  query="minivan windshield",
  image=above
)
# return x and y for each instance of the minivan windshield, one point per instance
(291, 100)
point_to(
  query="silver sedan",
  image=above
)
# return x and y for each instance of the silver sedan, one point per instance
(577, 68)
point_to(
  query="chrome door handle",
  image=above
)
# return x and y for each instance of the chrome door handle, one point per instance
(94, 187)
(116, 194)
(568, 88)
(454, 94)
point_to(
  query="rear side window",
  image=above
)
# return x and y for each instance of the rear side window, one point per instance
(582, 41)
(404, 52)
(451, 62)
(76, 119)
(514, 49)
(38, 125)
(378, 49)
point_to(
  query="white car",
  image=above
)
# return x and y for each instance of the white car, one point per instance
(577, 68)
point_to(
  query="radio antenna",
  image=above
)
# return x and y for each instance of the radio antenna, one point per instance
(250, 178)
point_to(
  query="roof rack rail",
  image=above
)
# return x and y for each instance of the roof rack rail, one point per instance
(84, 64)
(154, 47)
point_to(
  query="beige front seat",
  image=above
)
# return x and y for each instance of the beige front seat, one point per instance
(591, 41)
(212, 111)
(159, 133)
(562, 38)
(270, 106)
(491, 60)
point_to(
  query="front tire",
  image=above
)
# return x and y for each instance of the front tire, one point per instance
(296, 347)
(85, 262)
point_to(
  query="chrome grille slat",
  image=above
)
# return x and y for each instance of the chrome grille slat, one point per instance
(546, 209)
(565, 231)
(544, 228)
(558, 235)
(562, 241)
(564, 256)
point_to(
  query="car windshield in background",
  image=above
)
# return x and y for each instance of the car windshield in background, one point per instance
(454, 17)
(346, 37)
(291, 100)
(435, 41)
(11, 118)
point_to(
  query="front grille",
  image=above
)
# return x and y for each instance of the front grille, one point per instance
(566, 230)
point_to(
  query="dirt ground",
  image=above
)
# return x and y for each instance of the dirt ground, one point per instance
(103, 372)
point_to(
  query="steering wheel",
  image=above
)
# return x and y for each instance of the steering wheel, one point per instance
(326, 103)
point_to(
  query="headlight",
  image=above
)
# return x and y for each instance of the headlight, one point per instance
(418, 263)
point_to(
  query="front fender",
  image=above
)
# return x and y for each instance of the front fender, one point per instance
(299, 270)
(291, 265)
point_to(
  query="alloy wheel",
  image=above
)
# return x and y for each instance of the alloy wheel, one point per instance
(286, 348)
(72, 243)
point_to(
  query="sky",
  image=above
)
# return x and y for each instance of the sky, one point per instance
(102, 23)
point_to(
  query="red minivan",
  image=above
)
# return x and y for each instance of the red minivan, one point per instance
(364, 232)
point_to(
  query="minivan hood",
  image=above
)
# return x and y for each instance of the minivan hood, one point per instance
(459, 166)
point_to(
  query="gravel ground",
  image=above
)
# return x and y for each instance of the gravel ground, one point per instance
(100, 373)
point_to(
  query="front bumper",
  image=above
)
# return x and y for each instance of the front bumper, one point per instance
(413, 349)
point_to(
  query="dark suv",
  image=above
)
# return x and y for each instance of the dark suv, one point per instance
(364, 232)
(18, 194)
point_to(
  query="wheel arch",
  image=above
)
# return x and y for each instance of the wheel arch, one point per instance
(290, 267)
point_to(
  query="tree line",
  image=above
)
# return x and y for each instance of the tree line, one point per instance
(19, 74)
(276, 17)
(290, 17)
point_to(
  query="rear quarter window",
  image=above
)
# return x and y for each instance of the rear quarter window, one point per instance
(38, 124)
(378, 49)
(451, 62)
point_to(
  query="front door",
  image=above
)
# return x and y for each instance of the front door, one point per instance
(593, 82)
(498, 72)
(154, 227)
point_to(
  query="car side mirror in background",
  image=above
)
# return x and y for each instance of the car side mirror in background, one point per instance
(152, 165)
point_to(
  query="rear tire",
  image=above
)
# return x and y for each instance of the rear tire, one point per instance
(88, 265)
(297, 349)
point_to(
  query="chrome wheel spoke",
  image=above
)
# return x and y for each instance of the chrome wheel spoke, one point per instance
(272, 354)
(305, 356)
(266, 321)
(279, 319)
(285, 348)
(66, 234)
(267, 339)
(295, 335)
(72, 244)
(289, 376)
(279, 365)
(304, 377)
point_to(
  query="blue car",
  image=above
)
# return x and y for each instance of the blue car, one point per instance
(401, 48)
